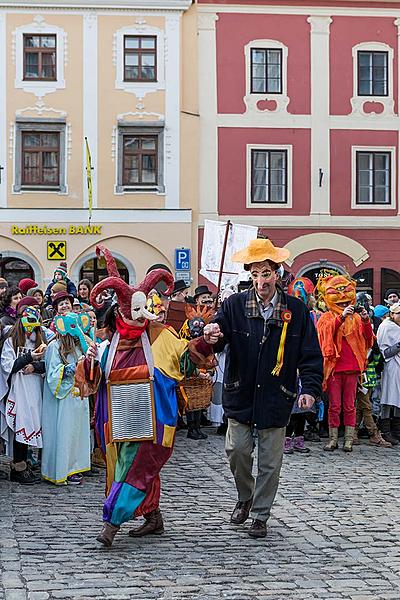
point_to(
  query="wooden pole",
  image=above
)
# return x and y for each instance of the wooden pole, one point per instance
(221, 266)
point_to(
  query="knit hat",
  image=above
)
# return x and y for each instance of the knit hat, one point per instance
(26, 284)
(380, 311)
(60, 286)
(27, 301)
(391, 291)
(62, 269)
(33, 291)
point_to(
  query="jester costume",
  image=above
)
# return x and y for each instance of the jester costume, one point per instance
(345, 341)
(136, 405)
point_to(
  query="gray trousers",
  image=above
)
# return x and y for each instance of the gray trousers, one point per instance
(239, 449)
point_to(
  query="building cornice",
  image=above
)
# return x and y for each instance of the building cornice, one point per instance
(338, 8)
(143, 5)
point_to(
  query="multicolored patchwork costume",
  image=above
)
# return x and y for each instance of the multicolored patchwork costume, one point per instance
(136, 407)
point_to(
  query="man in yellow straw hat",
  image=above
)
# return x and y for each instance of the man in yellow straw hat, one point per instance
(271, 338)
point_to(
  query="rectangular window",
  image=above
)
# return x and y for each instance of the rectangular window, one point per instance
(372, 73)
(40, 165)
(269, 176)
(140, 58)
(40, 57)
(266, 71)
(373, 171)
(140, 161)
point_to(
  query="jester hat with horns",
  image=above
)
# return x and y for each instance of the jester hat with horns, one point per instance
(131, 300)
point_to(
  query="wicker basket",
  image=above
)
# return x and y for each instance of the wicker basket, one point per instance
(197, 392)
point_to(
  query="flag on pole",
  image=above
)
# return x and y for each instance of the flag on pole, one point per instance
(238, 238)
(89, 179)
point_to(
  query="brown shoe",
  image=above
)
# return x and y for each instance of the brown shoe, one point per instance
(241, 512)
(107, 534)
(153, 524)
(377, 440)
(258, 529)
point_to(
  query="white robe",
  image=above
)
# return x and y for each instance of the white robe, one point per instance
(22, 408)
(66, 427)
(387, 335)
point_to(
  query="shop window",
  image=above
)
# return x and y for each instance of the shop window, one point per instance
(14, 269)
(39, 57)
(389, 279)
(40, 157)
(95, 270)
(364, 280)
(140, 58)
(140, 159)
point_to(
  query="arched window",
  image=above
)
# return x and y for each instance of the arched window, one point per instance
(389, 279)
(14, 269)
(321, 268)
(95, 269)
(365, 280)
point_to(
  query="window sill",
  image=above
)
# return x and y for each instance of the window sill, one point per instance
(267, 205)
(40, 189)
(159, 190)
(372, 206)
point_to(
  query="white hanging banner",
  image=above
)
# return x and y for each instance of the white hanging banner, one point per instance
(213, 242)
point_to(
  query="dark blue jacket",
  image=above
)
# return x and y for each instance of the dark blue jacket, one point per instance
(251, 393)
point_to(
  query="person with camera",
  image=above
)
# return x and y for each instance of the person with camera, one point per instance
(345, 334)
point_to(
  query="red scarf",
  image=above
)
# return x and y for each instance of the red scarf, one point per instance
(129, 331)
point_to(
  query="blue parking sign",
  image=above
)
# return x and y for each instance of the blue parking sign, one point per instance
(182, 259)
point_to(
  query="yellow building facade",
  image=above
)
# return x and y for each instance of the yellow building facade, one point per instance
(111, 75)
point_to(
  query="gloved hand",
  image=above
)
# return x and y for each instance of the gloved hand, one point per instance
(70, 369)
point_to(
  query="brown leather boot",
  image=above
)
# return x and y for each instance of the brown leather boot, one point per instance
(153, 524)
(107, 534)
(377, 440)
(241, 512)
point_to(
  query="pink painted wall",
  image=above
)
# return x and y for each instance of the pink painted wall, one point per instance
(232, 169)
(381, 244)
(339, 3)
(234, 31)
(346, 32)
(341, 142)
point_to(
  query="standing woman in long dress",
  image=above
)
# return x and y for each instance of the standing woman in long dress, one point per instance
(22, 372)
(388, 337)
(66, 427)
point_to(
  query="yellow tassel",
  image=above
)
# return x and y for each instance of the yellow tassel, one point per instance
(281, 351)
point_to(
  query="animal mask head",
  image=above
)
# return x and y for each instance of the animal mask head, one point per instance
(197, 317)
(125, 292)
(337, 292)
(73, 325)
(30, 318)
(301, 288)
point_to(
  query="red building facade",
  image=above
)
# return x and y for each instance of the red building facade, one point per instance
(300, 130)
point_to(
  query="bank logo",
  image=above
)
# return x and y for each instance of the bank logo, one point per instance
(56, 250)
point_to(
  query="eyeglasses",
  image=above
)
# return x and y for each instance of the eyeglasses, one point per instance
(267, 274)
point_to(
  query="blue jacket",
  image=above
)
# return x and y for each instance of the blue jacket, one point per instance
(251, 394)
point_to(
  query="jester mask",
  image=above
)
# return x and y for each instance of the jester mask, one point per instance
(75, 325)
(337, 292)
(301, 288)
(156, 307)
(30, 318)
(131, 299)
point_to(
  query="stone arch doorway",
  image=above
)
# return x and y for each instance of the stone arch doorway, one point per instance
(323, 267)
(13, 269)
(389, 279)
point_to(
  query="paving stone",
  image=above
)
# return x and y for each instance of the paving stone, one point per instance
(334, 534)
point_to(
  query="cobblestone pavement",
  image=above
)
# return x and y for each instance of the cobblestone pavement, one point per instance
(334, 534)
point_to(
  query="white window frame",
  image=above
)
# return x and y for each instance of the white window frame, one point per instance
(392, 151)
(139, 88)
(358, 101)
(39, 27)
(289, 167)
(251, 99)
(40, 125)
(156, 128)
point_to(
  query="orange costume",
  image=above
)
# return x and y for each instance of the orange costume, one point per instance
(344, 341)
